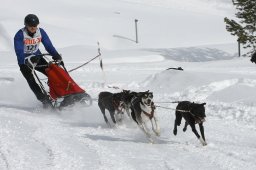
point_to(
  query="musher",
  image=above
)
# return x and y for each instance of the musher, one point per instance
(26, 43)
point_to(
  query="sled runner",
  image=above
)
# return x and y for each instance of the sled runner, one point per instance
(62, 89)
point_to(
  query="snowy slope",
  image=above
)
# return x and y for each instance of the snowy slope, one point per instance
(172, 33)
(165, 23)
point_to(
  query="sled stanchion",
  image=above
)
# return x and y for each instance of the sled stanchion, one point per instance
(40, 83)
(63, 65)
(34, 73)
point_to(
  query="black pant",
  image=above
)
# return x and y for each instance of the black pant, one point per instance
(27, 73)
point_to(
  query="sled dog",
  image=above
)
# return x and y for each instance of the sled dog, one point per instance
(113, 102)
(193, 113)
(127, 98)
(143, 110)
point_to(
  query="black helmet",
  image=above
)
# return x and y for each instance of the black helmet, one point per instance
(31, 20)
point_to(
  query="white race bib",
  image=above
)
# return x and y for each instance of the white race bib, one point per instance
(31, 44)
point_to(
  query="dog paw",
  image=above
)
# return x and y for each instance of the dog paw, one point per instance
(157, 133)
(175, 132)
(109, 125)
(202, 141)
(151, 141)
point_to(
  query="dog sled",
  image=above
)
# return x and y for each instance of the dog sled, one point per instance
(61, 88)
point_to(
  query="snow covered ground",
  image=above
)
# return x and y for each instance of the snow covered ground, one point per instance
(172, 33)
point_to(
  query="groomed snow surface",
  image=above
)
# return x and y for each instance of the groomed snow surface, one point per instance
(172, 34)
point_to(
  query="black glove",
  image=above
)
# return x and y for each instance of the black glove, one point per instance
(33, 60)
(57, 57)
(253, 58)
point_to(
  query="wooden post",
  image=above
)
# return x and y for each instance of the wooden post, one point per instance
(239, 48)
(136, 30)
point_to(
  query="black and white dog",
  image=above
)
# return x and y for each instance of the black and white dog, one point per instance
(127, 98)
(143, 110)
(113, 102)
(193, 113)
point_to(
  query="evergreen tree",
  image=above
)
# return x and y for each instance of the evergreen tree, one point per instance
(245, 28)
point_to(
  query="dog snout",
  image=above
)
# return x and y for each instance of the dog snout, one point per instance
(148, 101)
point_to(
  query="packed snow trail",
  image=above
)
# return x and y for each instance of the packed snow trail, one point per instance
(37, 140)
(46, 140)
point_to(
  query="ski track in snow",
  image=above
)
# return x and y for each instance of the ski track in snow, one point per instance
(108, 159)
(51, 146)
(4, 161)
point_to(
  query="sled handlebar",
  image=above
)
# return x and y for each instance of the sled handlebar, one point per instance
(34, 59)
(39, 56)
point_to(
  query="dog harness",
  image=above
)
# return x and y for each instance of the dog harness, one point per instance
(151, 114)
(197, 118)
(118, 105)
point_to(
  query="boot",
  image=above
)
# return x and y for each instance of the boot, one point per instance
(47, 103)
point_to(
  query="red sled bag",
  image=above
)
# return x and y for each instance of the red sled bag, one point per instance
(60, 83)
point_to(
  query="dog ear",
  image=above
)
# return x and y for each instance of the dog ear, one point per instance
(126, 91)
(203, 104)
